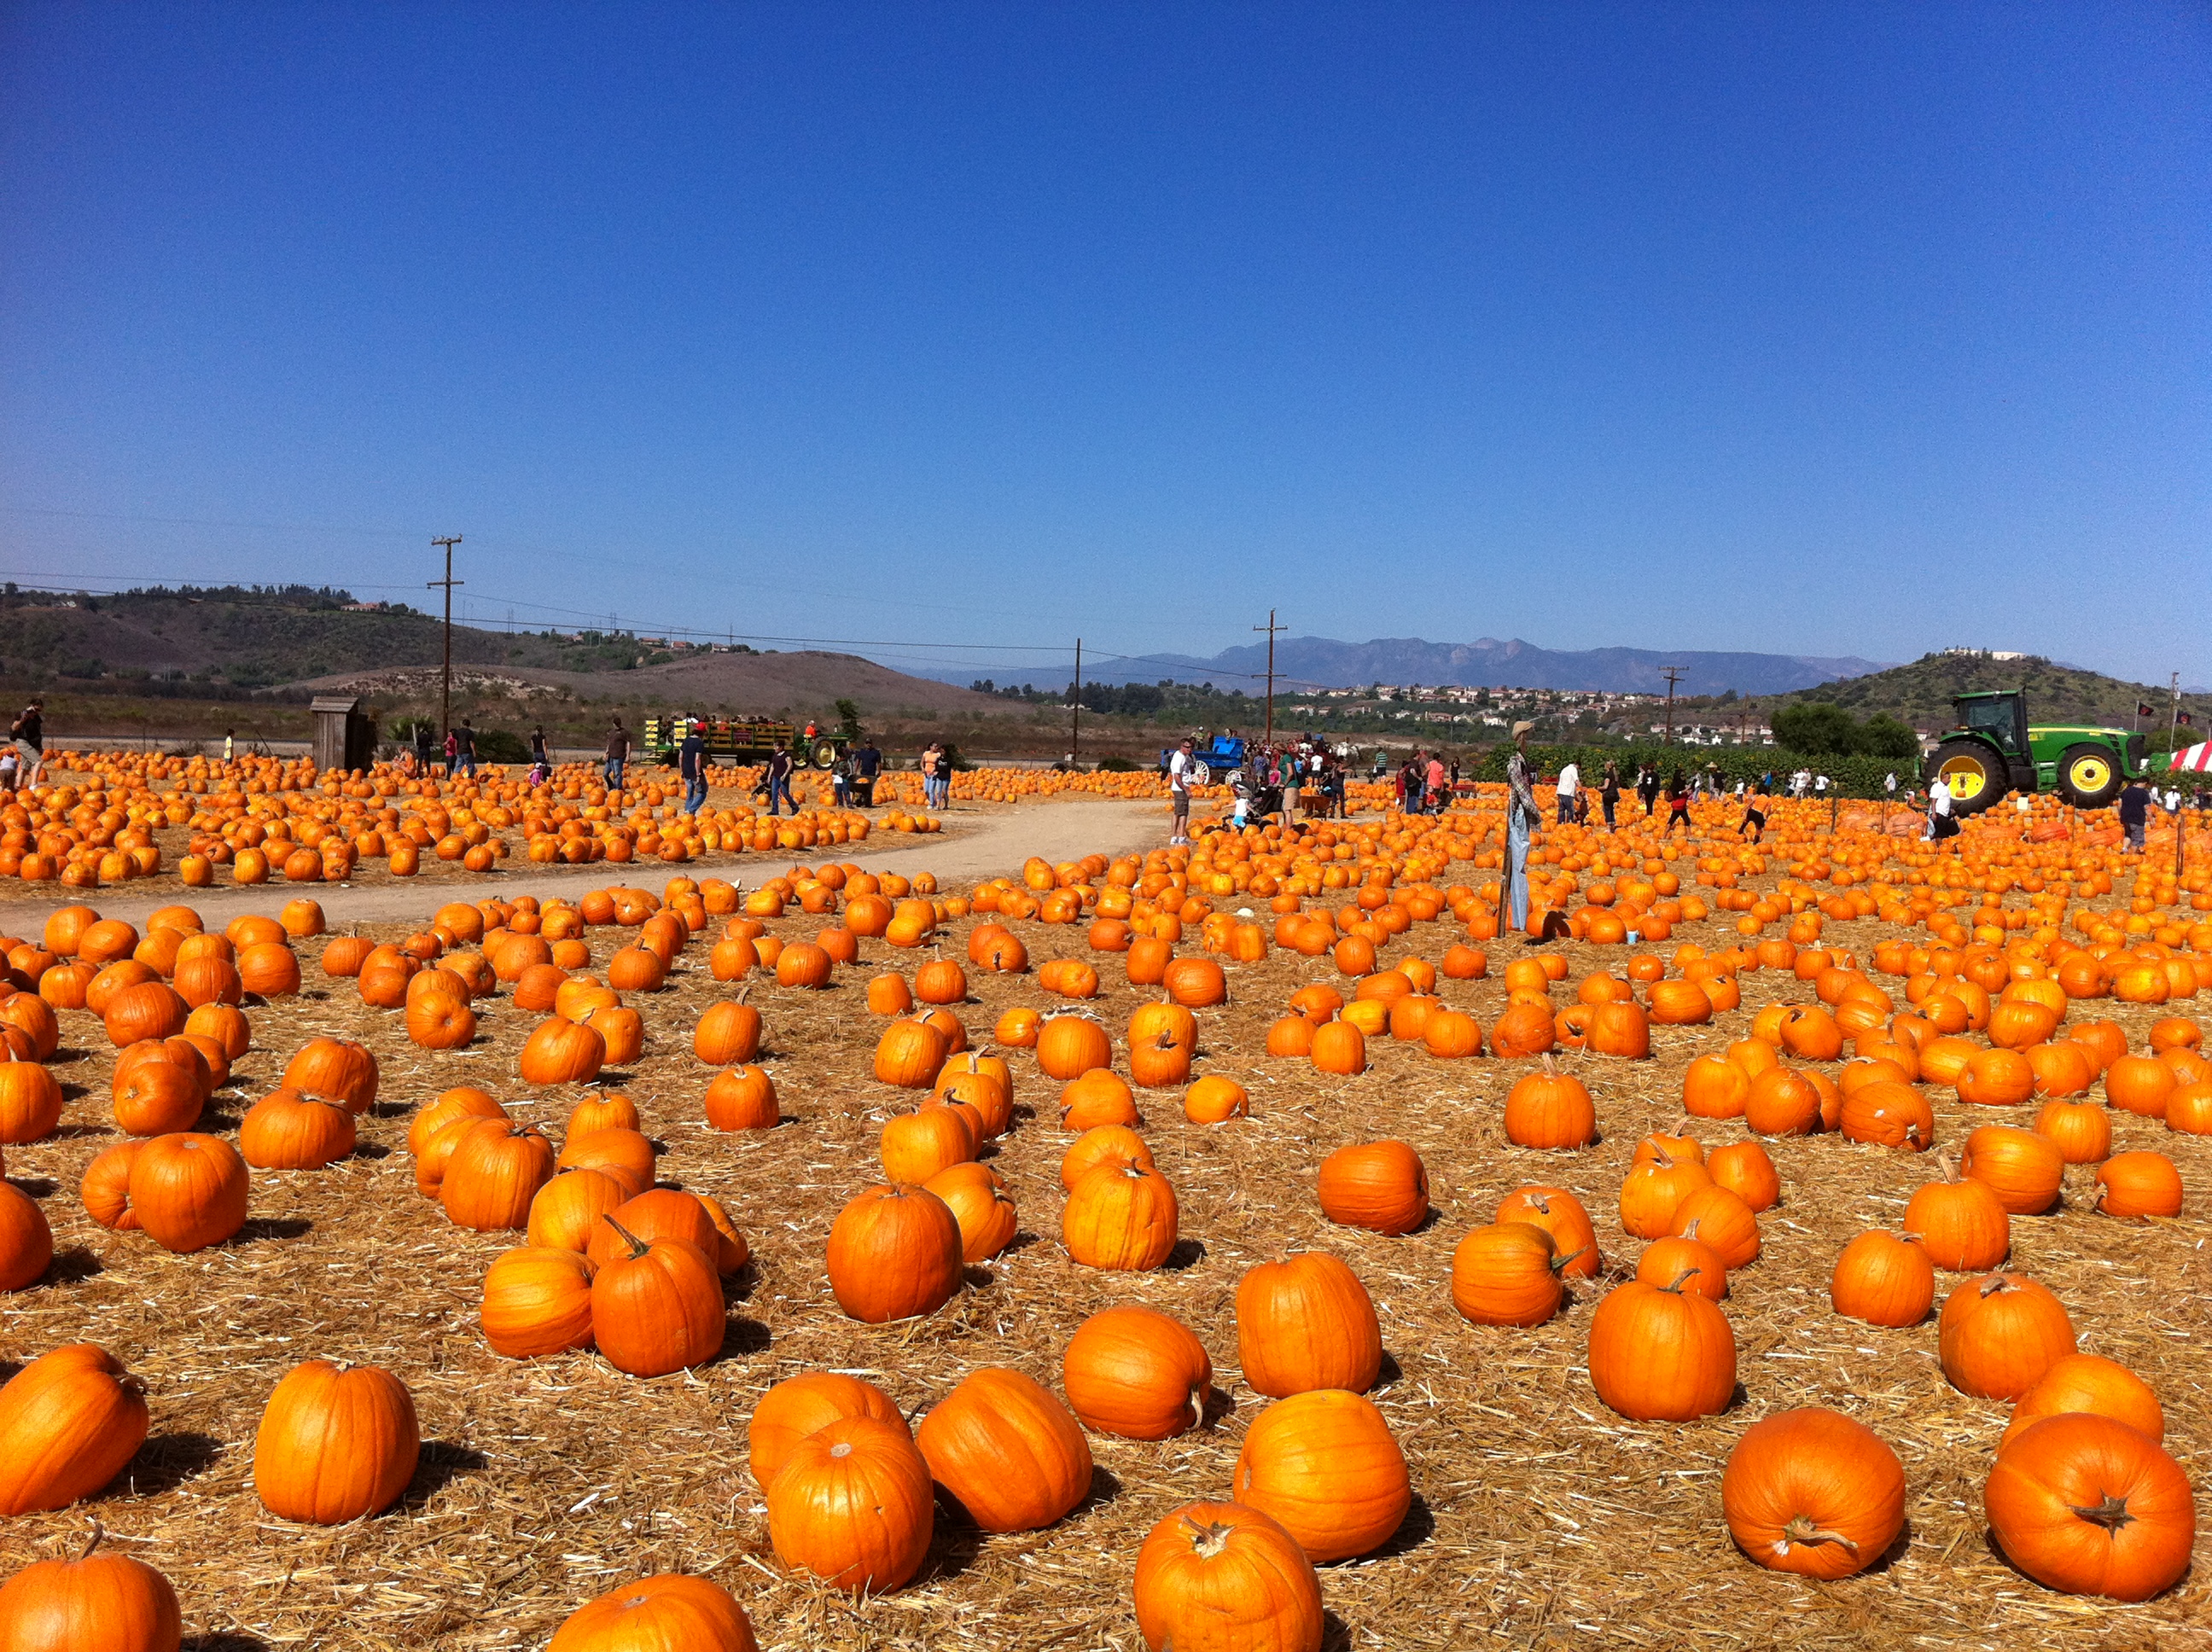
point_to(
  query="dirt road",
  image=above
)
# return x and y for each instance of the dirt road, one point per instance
(1063, 830)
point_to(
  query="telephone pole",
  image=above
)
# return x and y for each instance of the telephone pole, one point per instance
(1673, 674)
(1271, 629)
(445, 688)
(1075, 730)
(2173, 746)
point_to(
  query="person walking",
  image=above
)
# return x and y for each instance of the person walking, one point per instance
(29, 733)
(779, 781)
(1570, 781)
(2135, 814)
(1678, 803)
(229, 743)
(1608, 794)
(1755, 818)
(1439, 800)
(422, 748)
(1942, 822)
(617, 754)
(1647, 788)
(841, 779)
(541, 760)
(932, 775)
(691, 764)
(1521, 820)
(453, 751)
(464, 749)
(866, 761)
(1179, 768)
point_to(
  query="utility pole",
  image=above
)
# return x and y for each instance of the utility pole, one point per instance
(1271, 627)
(1075, 729)
(445, 688)
(2172, 745)
(1673, 674)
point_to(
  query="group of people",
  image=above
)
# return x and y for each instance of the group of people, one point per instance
(1425, 783)
(1273, 779)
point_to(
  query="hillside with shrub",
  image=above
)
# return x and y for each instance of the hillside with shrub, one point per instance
(1920, 694)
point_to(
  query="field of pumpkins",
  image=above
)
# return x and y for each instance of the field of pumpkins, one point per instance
(1230, 1249)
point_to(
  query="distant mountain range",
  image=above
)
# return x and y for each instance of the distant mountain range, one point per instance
(1324, 662)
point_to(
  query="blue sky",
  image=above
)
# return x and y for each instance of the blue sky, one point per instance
(1863, 330)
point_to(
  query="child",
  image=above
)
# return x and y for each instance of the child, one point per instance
(9, 769)
(1240, 785)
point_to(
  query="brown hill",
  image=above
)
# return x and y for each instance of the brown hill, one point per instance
(802, 683)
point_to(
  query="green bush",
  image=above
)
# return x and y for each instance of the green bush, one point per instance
(1819, 729)
(1848, 776)
(497, 745)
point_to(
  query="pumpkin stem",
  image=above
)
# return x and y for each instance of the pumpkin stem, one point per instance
(2111, 1514)
(99, 1532)
(1680, 1279)
(1801, 1530)
(1560, 1263)
(1207, 1540)
(637, 1247)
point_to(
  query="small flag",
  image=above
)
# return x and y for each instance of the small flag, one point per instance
(2142, 710)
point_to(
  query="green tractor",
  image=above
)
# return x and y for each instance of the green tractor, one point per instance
(1994, 751)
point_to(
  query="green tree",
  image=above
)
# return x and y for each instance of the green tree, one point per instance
(849, 718)
(1817, 729)
(1884, 736)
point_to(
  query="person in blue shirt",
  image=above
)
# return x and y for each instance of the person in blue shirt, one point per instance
(866, 760)
(691, 764)
(2135, 814)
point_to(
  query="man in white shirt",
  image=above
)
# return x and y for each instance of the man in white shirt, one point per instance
(1179, 768)
(1571, 781)
(1940, 824)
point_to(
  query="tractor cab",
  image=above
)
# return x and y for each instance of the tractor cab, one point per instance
(1999, 716)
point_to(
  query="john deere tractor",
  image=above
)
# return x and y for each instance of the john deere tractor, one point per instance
(1994, 751)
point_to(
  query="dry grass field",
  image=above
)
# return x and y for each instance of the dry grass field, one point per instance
(1540, 1518)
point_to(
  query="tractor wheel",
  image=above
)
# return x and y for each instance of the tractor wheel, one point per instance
(1201, 774)
(1977, 776)
(2089, 776)
(825, 753)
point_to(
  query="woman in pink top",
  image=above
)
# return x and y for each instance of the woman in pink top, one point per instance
(1439, 793)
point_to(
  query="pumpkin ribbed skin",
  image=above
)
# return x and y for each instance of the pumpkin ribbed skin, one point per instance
(1658, 1352)
(2085, 1382)
(27, 1242)
(69, 1420)
(1007, 1451)
(667, 1613)
(334, 1444)
(1813, 1493)
(189, 1191)
(851, 1504)
(1307, 1322)
(2087, 1505)
(1119, 1217)
(1380, 1186)
(1560, 1214)
(1883, 1279)
(1134, 1372)
(1998, 1335)
(657, 1308)
(1225, 1578)
(1323, 1463)
(1507, 1274)
(893, 1253)
(537, 1301)
(800, 1405)
(98, 1603)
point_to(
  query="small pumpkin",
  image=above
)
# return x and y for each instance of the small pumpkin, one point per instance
(337, 1443)
(1814, 1492)
(1134, 1372)
(668, 1613)
(656, 1306)
(1380, 1186)
(1325, 1465)
(537, 1301)
(1006, 1451)
(1226, 1577)
(894, 1253)
(69, 1420)
(1998, 1335)
(108, 1602)
(851, 1504)
(2087, 1505)
(1661, 1353)
(1307, 1322)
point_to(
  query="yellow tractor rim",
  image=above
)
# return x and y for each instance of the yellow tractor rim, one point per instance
(2089, 774)
(1966, 776)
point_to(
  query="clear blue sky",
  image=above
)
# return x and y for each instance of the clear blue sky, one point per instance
(1855, 329)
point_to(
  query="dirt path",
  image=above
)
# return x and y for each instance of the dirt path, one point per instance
(986, 844)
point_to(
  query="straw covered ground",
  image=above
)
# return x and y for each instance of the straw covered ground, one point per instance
(1541, 1518)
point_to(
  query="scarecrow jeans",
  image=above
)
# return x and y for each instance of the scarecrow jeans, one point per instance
(1517, 867)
